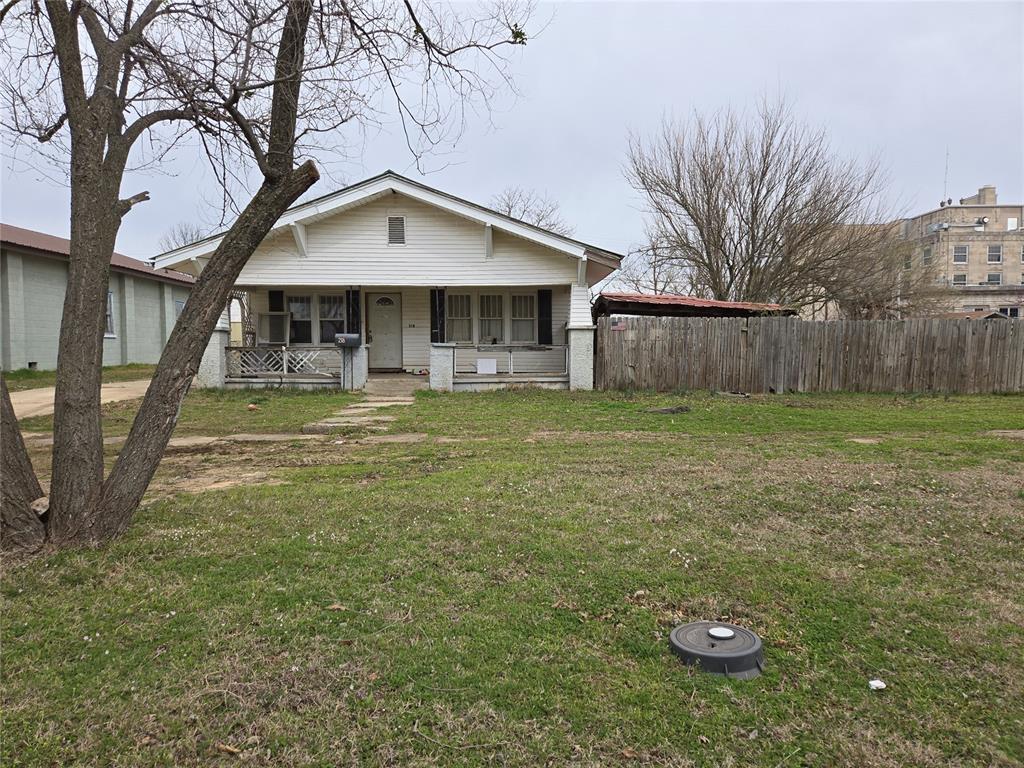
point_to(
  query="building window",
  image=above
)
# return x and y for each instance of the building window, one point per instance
(995, 254)
(396, 230)
(524, 318)
(492, 318)
(926, 257)
(960, 279)
(1010, 311)
(109, 328)
(1022, 254)
(300, 329)
(331, 316)
(959, 254)
(458, 321)
(908, 261)
(994, 278)
(179, 307)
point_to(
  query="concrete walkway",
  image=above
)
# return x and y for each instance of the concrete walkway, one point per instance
(39, 402)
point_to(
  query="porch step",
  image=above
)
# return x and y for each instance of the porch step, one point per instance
(374, 403)
(324, 426)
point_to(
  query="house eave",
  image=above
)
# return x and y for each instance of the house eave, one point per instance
(390, 182)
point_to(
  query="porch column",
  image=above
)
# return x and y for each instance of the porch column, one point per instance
(579, 335)
(581, 357)
(442, 367)
(213, 368)
(360, 361)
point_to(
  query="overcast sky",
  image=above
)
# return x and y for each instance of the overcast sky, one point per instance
(906, 80)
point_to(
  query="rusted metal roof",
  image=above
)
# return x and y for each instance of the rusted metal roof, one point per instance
(982, 314)
(611, 302)
(40, 241)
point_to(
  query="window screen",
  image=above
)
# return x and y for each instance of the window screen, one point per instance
(995, 254)
(524, 318)
(492, 319)
(959, 254)
(332, 317)
(301, 330)
(458, 317)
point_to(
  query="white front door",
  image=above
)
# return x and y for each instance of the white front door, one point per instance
(384, 329)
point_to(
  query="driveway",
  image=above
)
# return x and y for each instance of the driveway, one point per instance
(39, 402)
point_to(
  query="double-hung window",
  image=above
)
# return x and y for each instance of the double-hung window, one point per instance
(331, 316)
(960, 278)
(492, 318)
(458, 321)
(995, 278)
(959, 254)
(926, 257)
(995, 254)
(301, 327)
(524, 318)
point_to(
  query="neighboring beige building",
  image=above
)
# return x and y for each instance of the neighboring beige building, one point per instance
(977, 248)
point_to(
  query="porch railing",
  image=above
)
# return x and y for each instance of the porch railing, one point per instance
(512, 360)
(251, 362)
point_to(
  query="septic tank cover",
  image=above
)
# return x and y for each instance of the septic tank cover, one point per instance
(722, 649)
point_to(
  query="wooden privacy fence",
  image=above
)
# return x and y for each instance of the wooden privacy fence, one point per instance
(785, 354)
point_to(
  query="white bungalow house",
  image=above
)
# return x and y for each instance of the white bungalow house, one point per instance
(424, 282)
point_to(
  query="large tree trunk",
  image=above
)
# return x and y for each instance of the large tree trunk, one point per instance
(155, 421)
(20, 526)
(77, 431)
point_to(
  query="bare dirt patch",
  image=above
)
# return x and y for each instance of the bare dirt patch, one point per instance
(1012, 434)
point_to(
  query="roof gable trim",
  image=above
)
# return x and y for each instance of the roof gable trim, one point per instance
(370, 189)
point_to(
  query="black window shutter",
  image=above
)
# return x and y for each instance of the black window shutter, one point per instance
(544, 316)
(353, 315)
(437, 316)
(275, 301)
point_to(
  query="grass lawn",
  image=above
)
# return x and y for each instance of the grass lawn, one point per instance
(27, 379)
(500, 590)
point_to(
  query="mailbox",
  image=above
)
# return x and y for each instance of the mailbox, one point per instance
(347, 339)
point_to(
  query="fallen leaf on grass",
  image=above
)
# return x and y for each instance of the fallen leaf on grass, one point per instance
(228, 749)
(336, 607)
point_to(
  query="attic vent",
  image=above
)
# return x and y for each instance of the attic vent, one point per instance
(396, 230)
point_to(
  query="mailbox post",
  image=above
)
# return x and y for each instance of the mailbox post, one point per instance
(346, 344)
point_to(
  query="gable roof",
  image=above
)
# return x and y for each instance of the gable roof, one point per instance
(377, 186)
(59, 246)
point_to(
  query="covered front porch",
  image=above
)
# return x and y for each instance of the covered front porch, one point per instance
(454, 338)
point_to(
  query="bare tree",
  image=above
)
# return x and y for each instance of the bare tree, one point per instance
(886, 281)
(652, 268)
(181, 234)
(256, 82)
(533, 208)
(759, 209)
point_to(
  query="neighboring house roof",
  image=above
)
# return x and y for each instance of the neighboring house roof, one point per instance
(375, 187)
(613, 303)
(990, 314)
(40, 241)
